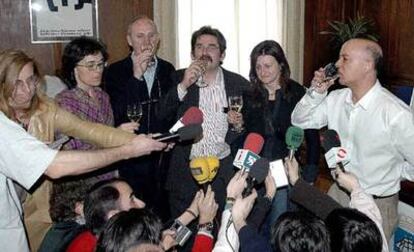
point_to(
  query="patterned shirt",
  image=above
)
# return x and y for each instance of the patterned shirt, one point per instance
(94, 109)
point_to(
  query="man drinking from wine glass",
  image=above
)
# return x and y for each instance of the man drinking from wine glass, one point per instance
(211, 98)
(142, 78)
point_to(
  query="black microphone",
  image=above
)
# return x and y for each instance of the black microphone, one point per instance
(257, 175)
(330, 139)
(185, 133)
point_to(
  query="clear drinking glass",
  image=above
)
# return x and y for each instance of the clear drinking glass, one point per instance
(205, 59)
(134, 112)
(236, 104)
(331, 73)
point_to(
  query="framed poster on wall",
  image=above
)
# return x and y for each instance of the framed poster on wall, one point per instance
(54, 21)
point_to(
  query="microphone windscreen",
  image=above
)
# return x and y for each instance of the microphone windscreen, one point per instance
(199, 170)
(259, 170)
(294, 137)
(213, 166)
(193, 115)
(254, 143)
(330, 139)
(190, 132)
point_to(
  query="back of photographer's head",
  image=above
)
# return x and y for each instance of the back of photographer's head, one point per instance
(133, 230)
(352, 230)
(106, 199)
(298, 231)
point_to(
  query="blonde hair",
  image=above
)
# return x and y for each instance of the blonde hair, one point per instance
(11, 63)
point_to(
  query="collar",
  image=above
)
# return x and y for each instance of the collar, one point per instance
(367, 99)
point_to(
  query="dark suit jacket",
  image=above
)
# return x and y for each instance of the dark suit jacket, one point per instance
(123, 89)
(179, 179)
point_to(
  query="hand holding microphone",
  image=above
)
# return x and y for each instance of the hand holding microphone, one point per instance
(335, 154)
(257, 175)
(294, 138)
(184, 133)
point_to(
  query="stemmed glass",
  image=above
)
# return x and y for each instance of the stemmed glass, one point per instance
(331, 73)
(134, 112)
(236, 104)
(204, 62)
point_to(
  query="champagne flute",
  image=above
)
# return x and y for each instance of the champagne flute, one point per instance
(134, 112)
(204, 62)
(236, 104)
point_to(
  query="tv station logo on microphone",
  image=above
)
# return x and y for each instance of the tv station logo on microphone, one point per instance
(245, 159)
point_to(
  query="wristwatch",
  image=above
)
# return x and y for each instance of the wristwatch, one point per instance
(208, 226)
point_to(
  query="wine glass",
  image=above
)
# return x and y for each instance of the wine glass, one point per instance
(204, 62)
(331, 73)
(236, 104)
(134, 112)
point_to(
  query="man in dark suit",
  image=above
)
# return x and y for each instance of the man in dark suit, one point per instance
(206, 85)
(141, 78)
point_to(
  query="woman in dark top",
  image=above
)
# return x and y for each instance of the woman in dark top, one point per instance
(269, 107)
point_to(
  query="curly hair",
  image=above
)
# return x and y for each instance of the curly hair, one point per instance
(64, 196)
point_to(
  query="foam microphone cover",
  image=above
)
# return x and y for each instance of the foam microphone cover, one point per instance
(213, 166)
(254, 143)
(193, 115)
(189, 132)
(294, 137)
(257, 175)
(199, 170)
(330, 139)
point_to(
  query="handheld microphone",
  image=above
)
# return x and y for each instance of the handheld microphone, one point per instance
(247, 156)
(193, 115)
(294, 138)
(200, 170)
(257, 175)
(335, 154)
(185, 133)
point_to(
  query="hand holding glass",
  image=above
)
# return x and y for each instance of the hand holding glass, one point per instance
(134, 112)
(204, 62)
(236, 104)
(331, 73)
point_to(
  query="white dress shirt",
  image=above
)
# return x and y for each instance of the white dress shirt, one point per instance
(377, 132)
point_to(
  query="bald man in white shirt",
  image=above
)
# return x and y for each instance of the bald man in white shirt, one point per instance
(374, 126)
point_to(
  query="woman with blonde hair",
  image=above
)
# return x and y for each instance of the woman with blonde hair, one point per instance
(22, 100)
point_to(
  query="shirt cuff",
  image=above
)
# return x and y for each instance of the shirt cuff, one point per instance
(181, 92)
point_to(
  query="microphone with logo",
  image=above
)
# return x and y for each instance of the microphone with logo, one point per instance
(335, 154)
(193, 115)
(247, 156)
(204, 170)
(257, 175)
(294, 138)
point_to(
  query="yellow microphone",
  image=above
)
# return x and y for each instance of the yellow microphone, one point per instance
(213, 166)
(200, 170)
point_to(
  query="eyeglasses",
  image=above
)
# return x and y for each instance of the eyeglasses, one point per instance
(32, 81)
(209, 48)
(94, 66)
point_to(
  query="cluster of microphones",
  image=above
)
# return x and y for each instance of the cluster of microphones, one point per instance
(204, 169)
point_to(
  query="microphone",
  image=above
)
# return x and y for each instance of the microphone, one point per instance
(335, 154)
(294, 138)
(257, 175)
(213, 166)
(185, 133)
(247, 156)
(200, 170)
(193, 115)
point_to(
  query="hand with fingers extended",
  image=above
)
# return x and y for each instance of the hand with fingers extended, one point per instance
(207, 206)
(320, 83)
(270, 186)
(292, 170)
(192, 73)
(346, 180)
(241, 209)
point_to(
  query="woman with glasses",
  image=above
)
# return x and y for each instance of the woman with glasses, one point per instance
(23, 101)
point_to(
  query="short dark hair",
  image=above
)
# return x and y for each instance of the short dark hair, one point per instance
(207, 30)
(74, 52)
(99, 201)
(299, 231)
(64, 196)
(351, 230)
(130, 228)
